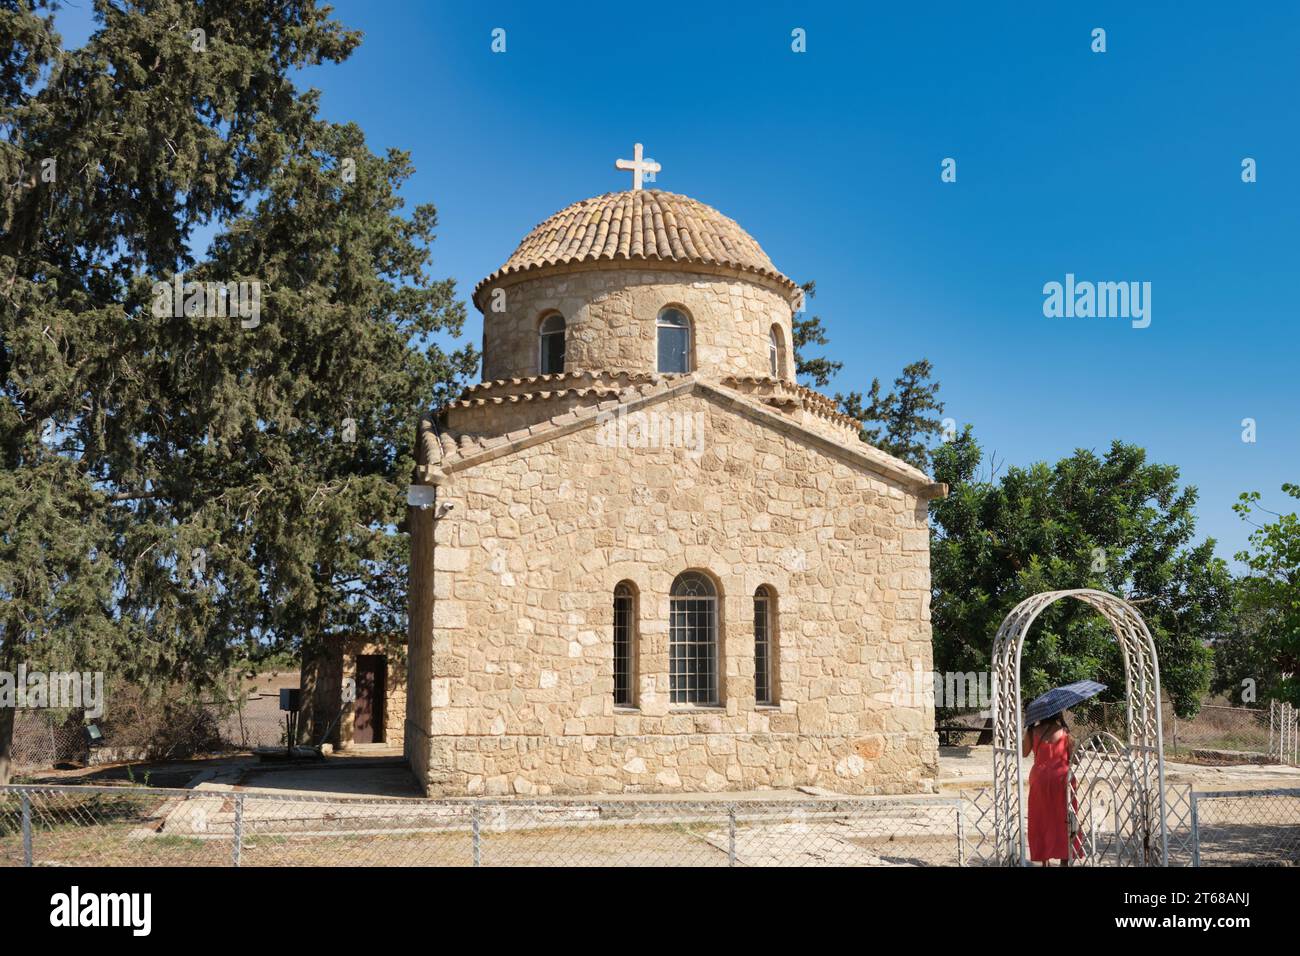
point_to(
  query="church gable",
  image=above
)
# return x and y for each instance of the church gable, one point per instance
(642, 421)
(548, 536)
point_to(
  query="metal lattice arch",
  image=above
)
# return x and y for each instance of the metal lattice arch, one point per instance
(1144, 749)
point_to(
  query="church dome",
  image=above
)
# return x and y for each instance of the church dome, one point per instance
(640, 226)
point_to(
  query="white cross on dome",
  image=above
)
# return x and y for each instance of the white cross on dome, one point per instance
(637, 165)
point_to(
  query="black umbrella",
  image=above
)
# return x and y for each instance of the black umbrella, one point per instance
(1061, 698)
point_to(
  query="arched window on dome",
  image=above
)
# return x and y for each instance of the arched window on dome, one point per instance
(693, 640)
(550, 345)
(673, 330)
(776, 352)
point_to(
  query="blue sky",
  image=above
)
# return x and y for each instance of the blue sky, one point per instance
(1120, 166)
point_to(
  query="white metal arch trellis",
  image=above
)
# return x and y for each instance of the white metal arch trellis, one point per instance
(1142, 694)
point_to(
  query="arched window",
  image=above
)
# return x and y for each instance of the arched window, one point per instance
(674, 340)
(624, 645)
(693, 640)
(775, 352)
(764, 645)
(550, 341)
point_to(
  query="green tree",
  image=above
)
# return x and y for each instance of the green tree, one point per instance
(817, 370)
(902, 422)
(55, 585)
(1115, 522)
(1265, 647)
(1245, 668)
(235, 487)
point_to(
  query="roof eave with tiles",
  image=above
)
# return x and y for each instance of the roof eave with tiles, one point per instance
(595, 385)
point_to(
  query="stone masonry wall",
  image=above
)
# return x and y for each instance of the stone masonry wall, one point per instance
(610, 319)
(520, 664)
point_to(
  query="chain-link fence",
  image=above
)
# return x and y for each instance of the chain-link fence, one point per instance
(1222, 735)
(43, 740)
(1247, 828)
(255, 721)
(113, 826)
(1179, 825)
(104, 826)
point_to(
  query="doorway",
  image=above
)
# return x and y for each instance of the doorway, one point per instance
(368, 713)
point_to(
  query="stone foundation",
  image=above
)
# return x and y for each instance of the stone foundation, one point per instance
(545, 766)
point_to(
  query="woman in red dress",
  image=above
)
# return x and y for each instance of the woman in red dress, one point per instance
(1049, 780)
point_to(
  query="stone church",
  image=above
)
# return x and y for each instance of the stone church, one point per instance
(643, 557)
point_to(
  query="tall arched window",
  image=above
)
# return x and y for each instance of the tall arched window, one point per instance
(775, 351)
(550, 345)
(624, 645)
(764, 645)
(673, 329)
(693, 640)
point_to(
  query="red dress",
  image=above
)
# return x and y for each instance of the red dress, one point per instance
(1049, 779)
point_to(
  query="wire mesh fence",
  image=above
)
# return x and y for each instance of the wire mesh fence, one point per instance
(1178, 825)
(105, 826)
(252, 722)
(42, 739)
(978, 832)
(1220, 734)
(117, 826)
(1247, 828)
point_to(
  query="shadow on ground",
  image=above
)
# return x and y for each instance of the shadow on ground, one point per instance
(333, 776)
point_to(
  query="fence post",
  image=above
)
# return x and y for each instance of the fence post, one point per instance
(731, 835)
(26, 800)
(961, 831)
(1196, 832)
(1284, 733)
(478, 839)
(1272, 722)
(1292, 721)
(237, 849)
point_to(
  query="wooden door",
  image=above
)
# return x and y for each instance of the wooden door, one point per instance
(368, 715)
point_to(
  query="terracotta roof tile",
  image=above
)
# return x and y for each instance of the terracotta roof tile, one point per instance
(646, 225)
